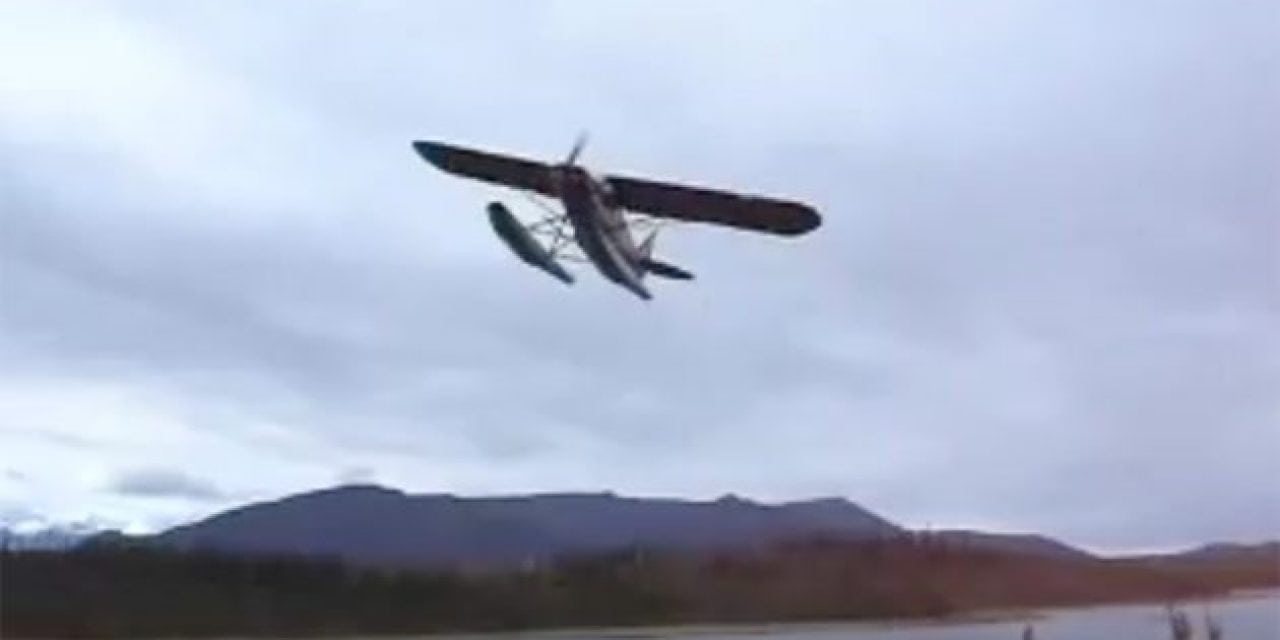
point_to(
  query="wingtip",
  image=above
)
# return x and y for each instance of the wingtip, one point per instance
(815, 220)
(429, 151)
(809, 221)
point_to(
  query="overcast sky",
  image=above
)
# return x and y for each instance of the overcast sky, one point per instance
(1045, 296)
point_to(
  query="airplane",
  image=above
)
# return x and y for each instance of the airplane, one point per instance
(600, 212)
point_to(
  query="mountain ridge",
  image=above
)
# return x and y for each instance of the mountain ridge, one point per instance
(372, 524)
(368, 523)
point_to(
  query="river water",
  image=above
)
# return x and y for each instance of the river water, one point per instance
(1246, 617)
(1255, 617)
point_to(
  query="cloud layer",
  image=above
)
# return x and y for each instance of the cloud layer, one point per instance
(1045, 296)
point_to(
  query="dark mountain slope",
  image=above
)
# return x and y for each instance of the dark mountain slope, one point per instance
(382, 526)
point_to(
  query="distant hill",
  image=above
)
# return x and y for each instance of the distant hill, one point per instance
(1223, 565)
(1015, 543)
(1229, 551)
(376, 525)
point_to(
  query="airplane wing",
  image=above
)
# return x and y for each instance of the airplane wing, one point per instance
(508, 171)
(697, 204)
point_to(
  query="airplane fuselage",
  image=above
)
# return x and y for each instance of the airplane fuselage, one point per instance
(594, 206)
(600, 229)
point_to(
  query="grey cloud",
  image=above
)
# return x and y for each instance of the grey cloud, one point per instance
(164, 483)
(356, 475)
(1044, 292)
(57, 438)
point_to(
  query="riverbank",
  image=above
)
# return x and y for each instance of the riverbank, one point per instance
(109, 593)
(1035, 617)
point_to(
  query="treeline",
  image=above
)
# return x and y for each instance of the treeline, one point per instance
(115, 591)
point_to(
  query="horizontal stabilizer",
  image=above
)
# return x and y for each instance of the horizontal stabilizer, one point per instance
(665, 270)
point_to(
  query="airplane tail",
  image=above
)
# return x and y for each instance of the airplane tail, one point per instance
(658, 267)
(665, 270)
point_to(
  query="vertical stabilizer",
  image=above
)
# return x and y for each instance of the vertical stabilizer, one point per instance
(646, 246)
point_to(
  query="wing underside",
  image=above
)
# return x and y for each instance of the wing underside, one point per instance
(698, 204)
(505, 170)
(660, 199)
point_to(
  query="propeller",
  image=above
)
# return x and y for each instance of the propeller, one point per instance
(577, 148)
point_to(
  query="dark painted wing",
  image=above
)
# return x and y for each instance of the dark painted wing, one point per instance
(508, 171)
(697, 204)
